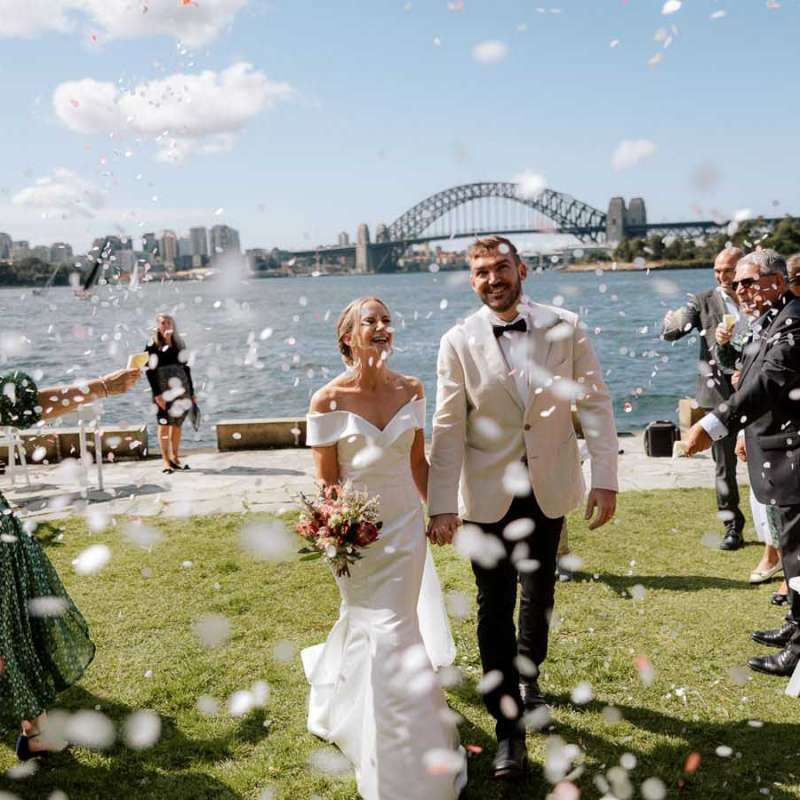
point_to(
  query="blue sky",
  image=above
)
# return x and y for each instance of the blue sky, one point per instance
(371, 106)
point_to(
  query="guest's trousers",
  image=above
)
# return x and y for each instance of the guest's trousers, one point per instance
(723, 452)
(497, 596)
(790, 557)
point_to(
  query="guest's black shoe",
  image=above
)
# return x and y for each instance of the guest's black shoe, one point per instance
(511, 760)
(179, 466)
(782, 665)
(733, 539)
(532, 697)
(779, 599)
(778, 637)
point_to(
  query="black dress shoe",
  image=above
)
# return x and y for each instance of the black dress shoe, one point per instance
(511, 760)
(782, 664)
(779, 599)
(779, 637)
(733, 539)
(532, 697)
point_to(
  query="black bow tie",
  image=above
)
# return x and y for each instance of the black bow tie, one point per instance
(520, 325)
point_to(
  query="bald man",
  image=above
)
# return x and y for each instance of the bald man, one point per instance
(703, 313)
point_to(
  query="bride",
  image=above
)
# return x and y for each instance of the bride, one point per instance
(373, 689)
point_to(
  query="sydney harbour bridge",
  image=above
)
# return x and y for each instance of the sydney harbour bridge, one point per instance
(500, 207)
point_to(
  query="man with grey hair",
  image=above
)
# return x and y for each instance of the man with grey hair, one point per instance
(766, 405)
(793, 271)
(703, 313)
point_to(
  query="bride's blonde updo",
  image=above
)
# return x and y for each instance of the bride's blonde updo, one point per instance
(348, 320)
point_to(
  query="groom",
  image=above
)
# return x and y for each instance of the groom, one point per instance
(504, 458)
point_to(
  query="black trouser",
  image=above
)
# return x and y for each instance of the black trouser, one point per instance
(724, 453)
(790, 557)
(497, 596)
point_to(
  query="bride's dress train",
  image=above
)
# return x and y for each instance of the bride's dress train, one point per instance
(373, 689)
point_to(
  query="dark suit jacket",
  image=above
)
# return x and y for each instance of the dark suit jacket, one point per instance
(767, 405)
(703, 313)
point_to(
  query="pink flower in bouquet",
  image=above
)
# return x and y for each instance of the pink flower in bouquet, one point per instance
(337, 525)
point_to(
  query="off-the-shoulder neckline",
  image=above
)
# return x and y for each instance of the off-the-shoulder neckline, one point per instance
(364, 419)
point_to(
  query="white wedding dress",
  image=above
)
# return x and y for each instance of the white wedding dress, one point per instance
(373, 689)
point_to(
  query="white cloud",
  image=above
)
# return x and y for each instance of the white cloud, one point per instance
(182, 113)
(671, 6)
(490, 52)
(194, 22)
(630, 152)
(23, 18)
(63, 193)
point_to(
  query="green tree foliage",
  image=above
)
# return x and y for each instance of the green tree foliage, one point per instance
(783, 237)
(31, 272)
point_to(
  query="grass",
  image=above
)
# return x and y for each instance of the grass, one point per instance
(693, 623)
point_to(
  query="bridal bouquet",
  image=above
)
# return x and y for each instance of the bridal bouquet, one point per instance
(338, 524)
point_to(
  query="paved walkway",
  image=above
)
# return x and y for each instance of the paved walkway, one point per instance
(265, 480)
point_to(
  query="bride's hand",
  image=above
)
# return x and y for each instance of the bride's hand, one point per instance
(442, 528)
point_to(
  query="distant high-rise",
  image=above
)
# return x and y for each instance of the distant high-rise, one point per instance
(41, 252)
(224, 239)
(20, 250)
(168, 247)
(5, 246)
(60, 253)
(198, 238)
(184, 246)
(343, 239)
(150, 246)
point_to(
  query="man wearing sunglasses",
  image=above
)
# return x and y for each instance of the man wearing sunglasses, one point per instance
(704, 312)
(766, 405)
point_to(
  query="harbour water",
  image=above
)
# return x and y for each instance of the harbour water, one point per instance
(261, 347)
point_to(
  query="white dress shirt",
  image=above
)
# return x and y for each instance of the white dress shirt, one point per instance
(517, 349)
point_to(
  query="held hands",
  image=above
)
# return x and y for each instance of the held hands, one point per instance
(120, 381)
(603, 503)
(697, 440)
(442, 528)
(741, 449)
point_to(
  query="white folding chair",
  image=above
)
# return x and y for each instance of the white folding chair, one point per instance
(13, 441)
(89, 419)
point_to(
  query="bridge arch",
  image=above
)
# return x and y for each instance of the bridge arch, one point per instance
(570, 215)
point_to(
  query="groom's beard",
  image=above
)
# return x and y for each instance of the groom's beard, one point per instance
(506, 300)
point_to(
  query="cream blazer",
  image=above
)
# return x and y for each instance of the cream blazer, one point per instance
(482, 431)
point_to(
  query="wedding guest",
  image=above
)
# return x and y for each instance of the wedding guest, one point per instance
(764, 405)
(793, 272)
(703, 313)
(41, 654)
(728, 352)
(170, 380)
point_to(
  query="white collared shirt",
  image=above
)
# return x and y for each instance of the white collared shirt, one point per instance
(517, 350)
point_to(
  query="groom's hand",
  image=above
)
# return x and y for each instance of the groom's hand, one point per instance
(603, 503)
(442, 528)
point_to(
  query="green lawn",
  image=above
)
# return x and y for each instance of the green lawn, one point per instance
(693, 623)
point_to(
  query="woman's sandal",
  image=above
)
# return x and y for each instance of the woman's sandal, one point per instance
(168, 470)
(181, 467)
(24, 752)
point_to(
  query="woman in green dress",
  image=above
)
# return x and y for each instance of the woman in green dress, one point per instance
(41, 654)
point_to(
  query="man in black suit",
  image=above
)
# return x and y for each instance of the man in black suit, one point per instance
(767, 405)
(704, 312)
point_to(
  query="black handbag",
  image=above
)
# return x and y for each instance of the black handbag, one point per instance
(195, 416)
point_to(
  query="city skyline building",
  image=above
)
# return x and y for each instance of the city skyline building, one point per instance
(224, 239)
(168, 248)
(199, 241)
(6, 243)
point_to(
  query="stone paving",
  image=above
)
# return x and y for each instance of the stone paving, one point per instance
(261, 481)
